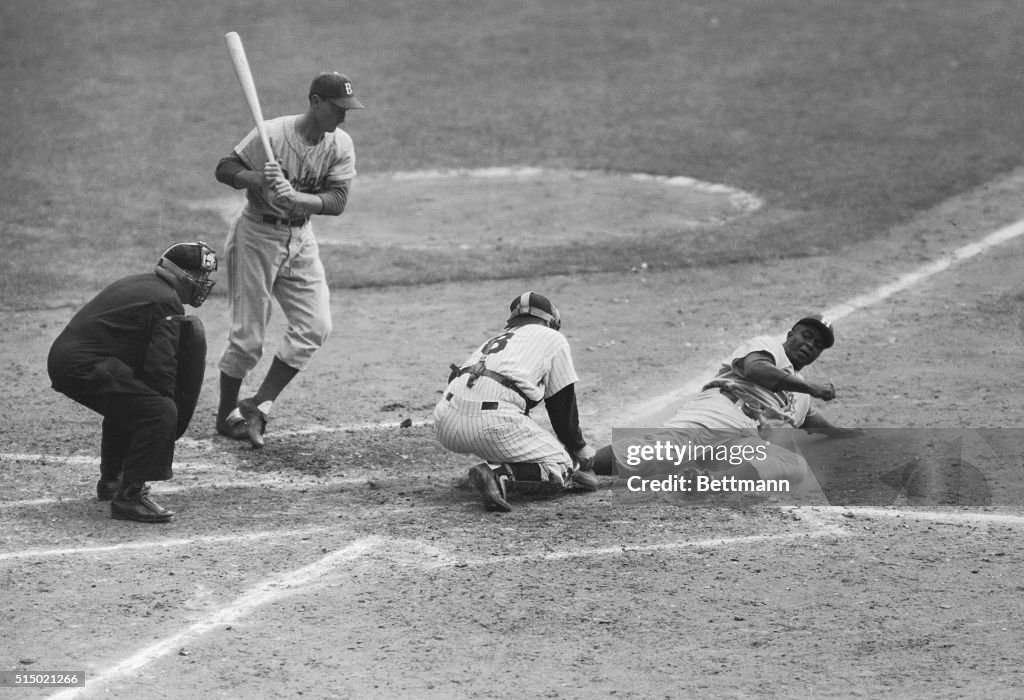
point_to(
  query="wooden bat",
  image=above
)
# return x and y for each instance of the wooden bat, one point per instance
(241, 64)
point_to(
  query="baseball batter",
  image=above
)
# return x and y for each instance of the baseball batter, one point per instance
(271, 251)
(758, 388)
(485, 408)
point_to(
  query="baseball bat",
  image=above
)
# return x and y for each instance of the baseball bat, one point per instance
(241, 64)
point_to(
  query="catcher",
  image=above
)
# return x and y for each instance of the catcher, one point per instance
(486, 407)
(758, 389)
(131, 355)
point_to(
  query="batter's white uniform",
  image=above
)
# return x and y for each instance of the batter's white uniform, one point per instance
(735, 416)
(489, 420)
(272, 252)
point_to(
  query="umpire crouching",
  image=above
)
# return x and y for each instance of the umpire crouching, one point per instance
(133, 356)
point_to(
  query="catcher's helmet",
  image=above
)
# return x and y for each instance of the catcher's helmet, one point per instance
(538, 306)
(193, 263)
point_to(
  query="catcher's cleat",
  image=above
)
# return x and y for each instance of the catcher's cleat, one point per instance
(236, 429)
(584, 479)
(106, 489)
(133, 503)
(492, 487)
(255, 421)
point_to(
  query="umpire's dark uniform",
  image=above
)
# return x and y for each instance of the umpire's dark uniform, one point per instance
(119, 356)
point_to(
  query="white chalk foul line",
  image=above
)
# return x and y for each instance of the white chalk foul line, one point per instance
(212, 475)
(272, 589)
(652, 406)
(356, 427)
(908, 280)
(935, 516)
(155, 544)
(38, 457)
(620, 550)
(288, 584)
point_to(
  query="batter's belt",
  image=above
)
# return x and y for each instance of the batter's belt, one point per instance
(297, 222)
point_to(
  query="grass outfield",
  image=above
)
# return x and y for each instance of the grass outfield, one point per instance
(846, 118)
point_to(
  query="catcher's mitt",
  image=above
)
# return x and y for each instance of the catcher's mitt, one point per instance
(191, 368)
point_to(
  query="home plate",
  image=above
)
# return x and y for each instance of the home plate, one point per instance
(494, 207)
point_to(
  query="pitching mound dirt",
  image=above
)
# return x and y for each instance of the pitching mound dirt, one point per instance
(486, 207)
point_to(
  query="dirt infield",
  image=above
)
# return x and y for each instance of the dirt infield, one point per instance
(346, 560)
(864, 158)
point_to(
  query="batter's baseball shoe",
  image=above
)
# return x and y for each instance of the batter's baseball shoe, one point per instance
(491, 486)
(106, 489)
(133, 503)
(234, 428)
(255, 421)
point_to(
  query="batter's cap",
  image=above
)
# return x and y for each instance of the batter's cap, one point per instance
(823, 324)
(337, 88)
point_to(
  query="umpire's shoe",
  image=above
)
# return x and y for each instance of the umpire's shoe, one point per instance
(490, 486)
(106, 489)
(132, 502)
(255, 421)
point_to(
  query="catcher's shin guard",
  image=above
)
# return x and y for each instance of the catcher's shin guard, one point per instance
(535, 488)
(527, 479)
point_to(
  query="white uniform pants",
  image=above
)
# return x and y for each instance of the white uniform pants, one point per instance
(499, 432)
(271, 261)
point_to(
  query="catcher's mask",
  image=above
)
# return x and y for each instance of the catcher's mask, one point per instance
(538, 306)
(192, 263)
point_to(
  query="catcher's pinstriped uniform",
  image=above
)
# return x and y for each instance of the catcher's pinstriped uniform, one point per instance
(271, 251)
(485, 407)
(489, 419)
(757, 388)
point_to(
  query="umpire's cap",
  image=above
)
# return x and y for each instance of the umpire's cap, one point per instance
(823, 324)
(337, 88)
